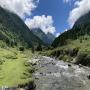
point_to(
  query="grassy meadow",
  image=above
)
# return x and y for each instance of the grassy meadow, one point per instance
(14, 69)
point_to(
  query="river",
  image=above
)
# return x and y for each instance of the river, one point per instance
(52, 74)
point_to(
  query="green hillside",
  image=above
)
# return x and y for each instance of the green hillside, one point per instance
(79, 30)
(15, 38)
(13, 30)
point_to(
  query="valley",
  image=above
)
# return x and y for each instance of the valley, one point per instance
(36, 59)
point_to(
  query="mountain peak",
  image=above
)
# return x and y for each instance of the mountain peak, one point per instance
(46, 38)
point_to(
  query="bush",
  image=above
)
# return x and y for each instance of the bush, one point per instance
(31, 70)
(1, 61)
(33, 49)
(2, 44)
(53, 53)
(72, 52)
(65, 58)
(61, 57)
(83, 58)
(81, 40)
(57, 53)
(21, 48)
(66, 51)
(12, 56)
(39, 47)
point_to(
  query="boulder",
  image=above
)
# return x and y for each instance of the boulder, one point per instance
(88, 76)
(69, 65)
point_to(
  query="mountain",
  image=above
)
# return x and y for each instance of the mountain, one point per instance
(73, 45)
(79, 30)
(84, 19)
(51, 37)
(46, 38)
(13, 30)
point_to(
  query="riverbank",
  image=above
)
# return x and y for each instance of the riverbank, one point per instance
(53, 74)
(71, 54)
(16, 68)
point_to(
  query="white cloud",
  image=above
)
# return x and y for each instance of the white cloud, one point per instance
(66, 1)
(81, 8)
(65, 30)
(20, 7)
(43, 22)
(25, 7)
(57, 34)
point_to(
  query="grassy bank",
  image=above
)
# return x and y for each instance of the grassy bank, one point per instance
(76, 51)
(13, 67)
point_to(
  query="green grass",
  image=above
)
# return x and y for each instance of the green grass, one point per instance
(83, 46)
(13, 69)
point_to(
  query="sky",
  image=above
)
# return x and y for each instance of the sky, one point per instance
(57, 9)
(54, 16)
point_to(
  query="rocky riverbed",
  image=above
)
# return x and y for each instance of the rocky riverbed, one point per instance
(52, 74)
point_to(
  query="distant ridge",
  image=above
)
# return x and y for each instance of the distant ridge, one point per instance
(46, 38)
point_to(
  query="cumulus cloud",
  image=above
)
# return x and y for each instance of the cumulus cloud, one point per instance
(45, 23)
(20, 7)
(81, 7)
(57, 34)
(25, 7)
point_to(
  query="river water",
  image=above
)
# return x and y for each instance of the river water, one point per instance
(53, 74)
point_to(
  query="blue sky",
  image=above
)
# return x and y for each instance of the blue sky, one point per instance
(54, 16)
(57, 9)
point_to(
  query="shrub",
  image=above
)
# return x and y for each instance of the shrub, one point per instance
(72, 52)
(81, 40)
(33, 49)
(31, 70)
(12, 56)
(61, 57)
(53, 53)
(7, 41)
(2, 44)
(66, 51)
(57, 53)
(21, 48)
(83, 58)
(1, 61)
(39, 47)
(65, 58)
(86, 38)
